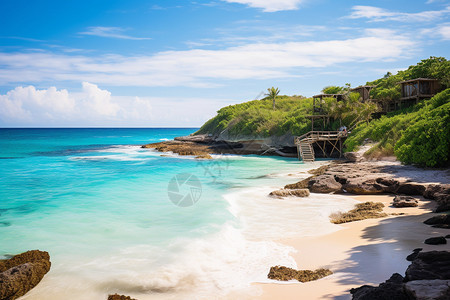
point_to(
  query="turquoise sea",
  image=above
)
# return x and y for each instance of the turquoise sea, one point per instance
(106, 211)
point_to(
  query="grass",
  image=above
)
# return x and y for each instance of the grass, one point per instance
(362, 211)
(284, 274)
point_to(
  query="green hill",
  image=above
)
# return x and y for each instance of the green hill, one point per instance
(418, 134)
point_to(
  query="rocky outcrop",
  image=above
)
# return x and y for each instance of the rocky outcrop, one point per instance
(119, 297)
(199, 138)
(324, 184)
(439, 240)
(428, 289)
(428, 277)
(26, 257)
(284, 274)
(405, 201)
(302, 184)
(440, 221)
(183, 148)
(290, 192)
(390, 289)
(363, 187)
(411, 189)
(413, 255)
(440, 193)
(24, 271)
(429, 265)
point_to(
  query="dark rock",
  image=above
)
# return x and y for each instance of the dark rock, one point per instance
(413, 255)
(411, 189)
(17, 281)
(405, 201)
(428, 289)
(447, 236)
(364, 187)
(324, 184)
(439, 240)
(443, 201)
(284, 274)
(392, 289)
(388, 185)
(429, 265)
(290, 192)
(433, 189)
(440, 221)
(302, 184)
(119, 297)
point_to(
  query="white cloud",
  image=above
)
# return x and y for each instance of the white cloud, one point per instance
(28, 106)
(441, 31)
(444, 31)
(270, 5)
(377, 14)
(203, 68)
(111, 32)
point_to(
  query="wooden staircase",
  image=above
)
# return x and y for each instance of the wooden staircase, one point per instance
(305, 143)
(306, 151)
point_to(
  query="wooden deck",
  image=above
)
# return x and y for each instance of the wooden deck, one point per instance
(305, 143)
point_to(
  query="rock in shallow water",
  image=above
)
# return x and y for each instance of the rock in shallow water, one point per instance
(324, 184)
(22, 272)
(290, 192)
(17, 281)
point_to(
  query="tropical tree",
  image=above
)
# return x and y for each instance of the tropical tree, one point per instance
(273, 93)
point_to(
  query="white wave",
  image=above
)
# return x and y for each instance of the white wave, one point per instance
(263, 217)
(164, 139)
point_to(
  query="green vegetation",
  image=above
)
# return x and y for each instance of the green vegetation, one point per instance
(387, 88)
(417, 135)
(257, 117)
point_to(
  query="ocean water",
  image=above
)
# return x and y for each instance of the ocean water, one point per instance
(118, 218)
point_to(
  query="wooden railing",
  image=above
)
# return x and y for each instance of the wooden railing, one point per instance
(314, 136)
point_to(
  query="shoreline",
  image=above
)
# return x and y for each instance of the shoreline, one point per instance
(363, 252)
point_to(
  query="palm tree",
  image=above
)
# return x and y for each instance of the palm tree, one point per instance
(272, 93)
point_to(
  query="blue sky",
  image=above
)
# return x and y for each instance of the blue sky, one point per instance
(174, 63)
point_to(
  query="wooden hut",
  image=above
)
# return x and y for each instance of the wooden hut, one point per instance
(417, 89)
(364, 91)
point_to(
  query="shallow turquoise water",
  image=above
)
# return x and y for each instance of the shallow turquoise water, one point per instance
(100, 205)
